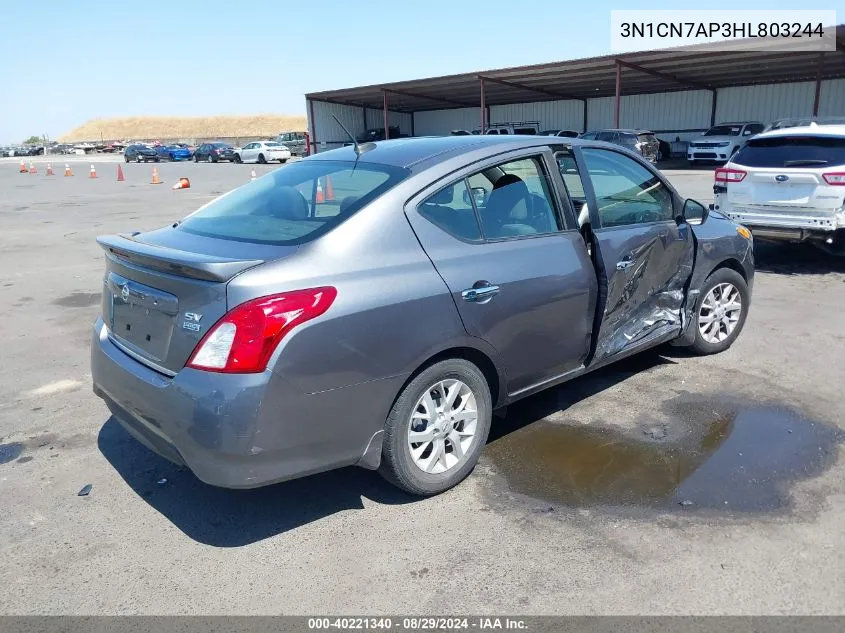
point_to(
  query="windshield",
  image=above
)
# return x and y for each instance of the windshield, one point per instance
(792, 151)
(723, 130)
(293, 205)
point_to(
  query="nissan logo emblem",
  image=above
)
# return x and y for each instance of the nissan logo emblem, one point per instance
(124, 292)
(781, 178)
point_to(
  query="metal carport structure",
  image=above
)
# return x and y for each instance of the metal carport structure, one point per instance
(699, 67)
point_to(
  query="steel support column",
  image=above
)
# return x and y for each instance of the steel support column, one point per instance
(386, 119)
(313, 127)
(817, 97)
(483, 107)
(618, 94)
(713, 107)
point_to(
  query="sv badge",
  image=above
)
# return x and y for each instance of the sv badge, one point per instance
(192, 321)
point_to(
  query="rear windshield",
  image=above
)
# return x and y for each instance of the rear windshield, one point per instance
(273, 144)
(792, 151)
(646, 138)
(294, 204)
(724, 130)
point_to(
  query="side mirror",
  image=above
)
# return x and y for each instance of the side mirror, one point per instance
(479, 194)
(694, 212)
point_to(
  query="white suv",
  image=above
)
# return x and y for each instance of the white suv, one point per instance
(788, 184)
(721, 141)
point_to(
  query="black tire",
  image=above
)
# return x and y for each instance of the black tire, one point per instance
(282, 161)
(237, 159)
(196, 158)
(126, 159)
(138, 159)
(720, 276)
(397, 465)
(261, 159)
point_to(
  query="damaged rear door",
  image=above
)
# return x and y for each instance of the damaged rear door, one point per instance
(643, 250)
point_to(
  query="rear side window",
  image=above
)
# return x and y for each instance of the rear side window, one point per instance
(451, 209)
(293, 205)
(792, 151)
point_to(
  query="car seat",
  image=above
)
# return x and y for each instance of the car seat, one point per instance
(507, 208)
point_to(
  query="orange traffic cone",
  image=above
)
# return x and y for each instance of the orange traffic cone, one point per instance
(183, 183)
(22, 169)
(120, 176)
(93, 172)
(68, 172)
(32, 169)
(50, 170)
(329, 190)
(155, 180)
(252, 176)
(320, 196)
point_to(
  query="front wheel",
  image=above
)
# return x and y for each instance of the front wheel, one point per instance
(237, 159)
(720, 313)
(436, 430)
(126, 159)
(261, 159)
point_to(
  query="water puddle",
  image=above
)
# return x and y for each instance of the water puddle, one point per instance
(79, 300)
(730, 458)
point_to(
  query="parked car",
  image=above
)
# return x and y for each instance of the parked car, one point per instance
(377, 134)
(804, 121)
(789, 184)
(174, 152)
(563, 133)
(722, 141)
(276, 332)
(296, 142)
(463, 132)
(214, 152)
(114, 148)
(140, 153)
(643, 142)
(262, 152)
(522, 127)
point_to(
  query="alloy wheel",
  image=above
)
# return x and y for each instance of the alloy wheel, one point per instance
(443, 426)
(720, 312)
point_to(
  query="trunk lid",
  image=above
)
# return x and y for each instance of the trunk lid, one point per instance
(163, 290)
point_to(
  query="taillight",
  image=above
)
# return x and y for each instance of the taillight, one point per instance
(245, 338)
(836, 178)
(726, 174)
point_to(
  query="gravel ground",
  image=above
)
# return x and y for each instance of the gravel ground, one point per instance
(667, 484)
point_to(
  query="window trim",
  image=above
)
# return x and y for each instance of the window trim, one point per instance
(595, 218)
(543, 152)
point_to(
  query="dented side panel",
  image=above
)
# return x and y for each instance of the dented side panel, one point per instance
(644, 270)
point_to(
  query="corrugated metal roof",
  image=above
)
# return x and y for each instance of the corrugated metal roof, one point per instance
(643, 72)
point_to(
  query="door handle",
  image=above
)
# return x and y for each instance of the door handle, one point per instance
(480, 295)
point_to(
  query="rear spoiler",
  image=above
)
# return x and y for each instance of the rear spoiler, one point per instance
(170, 260)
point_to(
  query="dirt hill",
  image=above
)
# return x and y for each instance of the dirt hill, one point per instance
(163, 127)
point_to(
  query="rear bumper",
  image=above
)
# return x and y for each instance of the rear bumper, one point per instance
(278, 156)
(236, 430)
(795, 224)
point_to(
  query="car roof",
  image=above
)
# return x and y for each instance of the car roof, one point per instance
(805, 130)
(410, 152)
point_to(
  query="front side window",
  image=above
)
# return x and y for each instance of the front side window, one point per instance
(293, 205)
(626, 192)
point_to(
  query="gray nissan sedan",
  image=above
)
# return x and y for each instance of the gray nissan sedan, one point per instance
(372, 305)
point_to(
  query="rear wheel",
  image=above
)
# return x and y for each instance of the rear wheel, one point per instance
(210, 159)
(720, 313)
(138, 158)
(437, 428)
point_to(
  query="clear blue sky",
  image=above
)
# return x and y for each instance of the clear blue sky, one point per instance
(66, 62)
